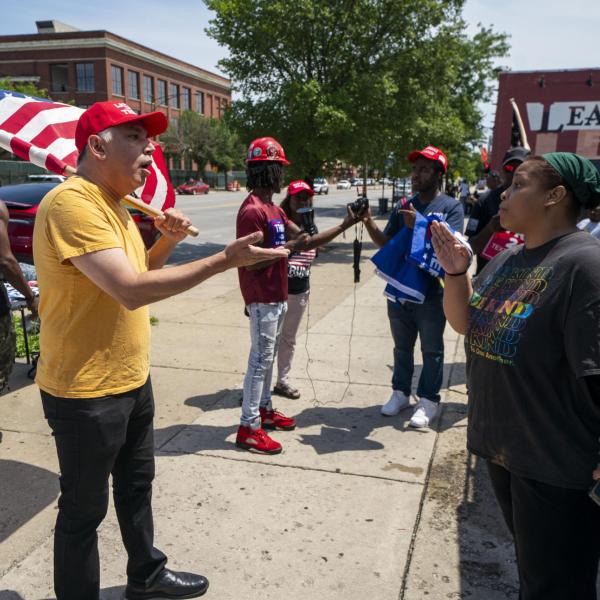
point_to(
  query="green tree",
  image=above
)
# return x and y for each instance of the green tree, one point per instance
(227, 152)
(191, 137)
(29, 89)
(354, 80)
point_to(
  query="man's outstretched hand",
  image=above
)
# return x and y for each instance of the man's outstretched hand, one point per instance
(243, 253)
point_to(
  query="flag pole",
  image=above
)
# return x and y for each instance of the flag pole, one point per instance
(520, 124)
(139, 205)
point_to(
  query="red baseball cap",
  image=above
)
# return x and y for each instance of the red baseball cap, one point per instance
(300, 186)
(431, 153)
(102, 115)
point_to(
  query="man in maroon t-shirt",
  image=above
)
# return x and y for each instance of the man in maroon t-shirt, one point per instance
(264, 289)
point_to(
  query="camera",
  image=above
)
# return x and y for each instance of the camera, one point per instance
(359, 206)
(307, 217)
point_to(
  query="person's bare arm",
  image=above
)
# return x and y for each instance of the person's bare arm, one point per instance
(172, 225)
(324, 237)
(378, 237)
(112, 272)
(454, 258)
(9, 265)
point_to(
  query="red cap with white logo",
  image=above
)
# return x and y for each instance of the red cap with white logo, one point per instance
(102, 115)
(431, 153)
(300, 186)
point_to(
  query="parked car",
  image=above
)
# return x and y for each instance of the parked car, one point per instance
(45, 177)
(343, 184)
(193, 187)
(320, 186)
(22, 201)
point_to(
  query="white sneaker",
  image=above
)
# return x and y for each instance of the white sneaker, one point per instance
(398, 400)
(425, 412)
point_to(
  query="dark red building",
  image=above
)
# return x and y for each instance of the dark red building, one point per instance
(91, 66)
(560, 111)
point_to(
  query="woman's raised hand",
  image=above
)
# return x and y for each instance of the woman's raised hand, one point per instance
(452, 255)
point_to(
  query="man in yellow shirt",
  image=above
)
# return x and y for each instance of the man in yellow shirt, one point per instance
(96, 280)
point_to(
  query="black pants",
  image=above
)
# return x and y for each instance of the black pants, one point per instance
(97, 437)
(557, 536)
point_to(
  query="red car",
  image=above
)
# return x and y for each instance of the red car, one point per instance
(22, 201)
(193, 187)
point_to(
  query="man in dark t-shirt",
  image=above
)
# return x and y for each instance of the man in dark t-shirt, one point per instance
(483, 221)
(409, 319)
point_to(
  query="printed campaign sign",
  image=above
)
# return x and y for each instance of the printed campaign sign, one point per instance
(500, 241)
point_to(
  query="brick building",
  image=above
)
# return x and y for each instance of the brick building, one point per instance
(91, 66)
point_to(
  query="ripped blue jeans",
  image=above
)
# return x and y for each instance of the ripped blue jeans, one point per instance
(266, 321)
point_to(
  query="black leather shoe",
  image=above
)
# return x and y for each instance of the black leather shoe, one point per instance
(169, 585)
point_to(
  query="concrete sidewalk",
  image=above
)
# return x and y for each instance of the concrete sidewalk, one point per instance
(358, 505)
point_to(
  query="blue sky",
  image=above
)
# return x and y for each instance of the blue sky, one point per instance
(545, 34)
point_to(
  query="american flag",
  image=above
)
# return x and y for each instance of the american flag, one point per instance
(43, 132)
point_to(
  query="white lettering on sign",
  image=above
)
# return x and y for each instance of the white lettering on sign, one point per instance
(564, 116)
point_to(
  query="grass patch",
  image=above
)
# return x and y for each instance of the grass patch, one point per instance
(153, 320)
(32, 337)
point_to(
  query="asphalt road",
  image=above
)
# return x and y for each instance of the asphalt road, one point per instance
(214, 215)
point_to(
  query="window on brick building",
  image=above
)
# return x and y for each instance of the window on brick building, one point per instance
(117, 80)
(148, 89)
(200, 102)
(173, 95)
(186, 98)
(85, 77)
(133, 79)
(59, 77)
(162, 92)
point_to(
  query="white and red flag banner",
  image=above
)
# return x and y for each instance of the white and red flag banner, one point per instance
(43, 132)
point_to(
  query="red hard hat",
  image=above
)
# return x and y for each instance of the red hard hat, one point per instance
(266, 148)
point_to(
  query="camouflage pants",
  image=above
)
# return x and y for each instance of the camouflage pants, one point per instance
(8, 346)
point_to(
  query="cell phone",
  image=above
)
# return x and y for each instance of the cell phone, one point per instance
(595, 493)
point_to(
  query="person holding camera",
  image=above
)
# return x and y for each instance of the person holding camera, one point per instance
(264, 287)
(531, 322)
(408, 319)
(297, 206)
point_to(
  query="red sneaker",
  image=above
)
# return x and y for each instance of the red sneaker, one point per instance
(273, 419)
(256, 440)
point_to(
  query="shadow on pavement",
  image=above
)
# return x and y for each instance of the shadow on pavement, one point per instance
(484, 539)
(343, 429)
(18, 378)
(112, 593)
(25, 491)
(223, 399)
(186, 252)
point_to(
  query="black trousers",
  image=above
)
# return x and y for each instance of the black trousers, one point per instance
(557, 536)
(97, 437)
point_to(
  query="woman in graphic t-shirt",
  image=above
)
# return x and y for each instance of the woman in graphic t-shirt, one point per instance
(299, 196)
(532, 335)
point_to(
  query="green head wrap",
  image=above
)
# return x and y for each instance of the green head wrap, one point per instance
(580, 175)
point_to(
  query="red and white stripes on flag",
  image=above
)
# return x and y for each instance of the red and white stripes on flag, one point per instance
(43, 132)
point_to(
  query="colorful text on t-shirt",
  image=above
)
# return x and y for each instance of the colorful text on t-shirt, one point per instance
(499, 310)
